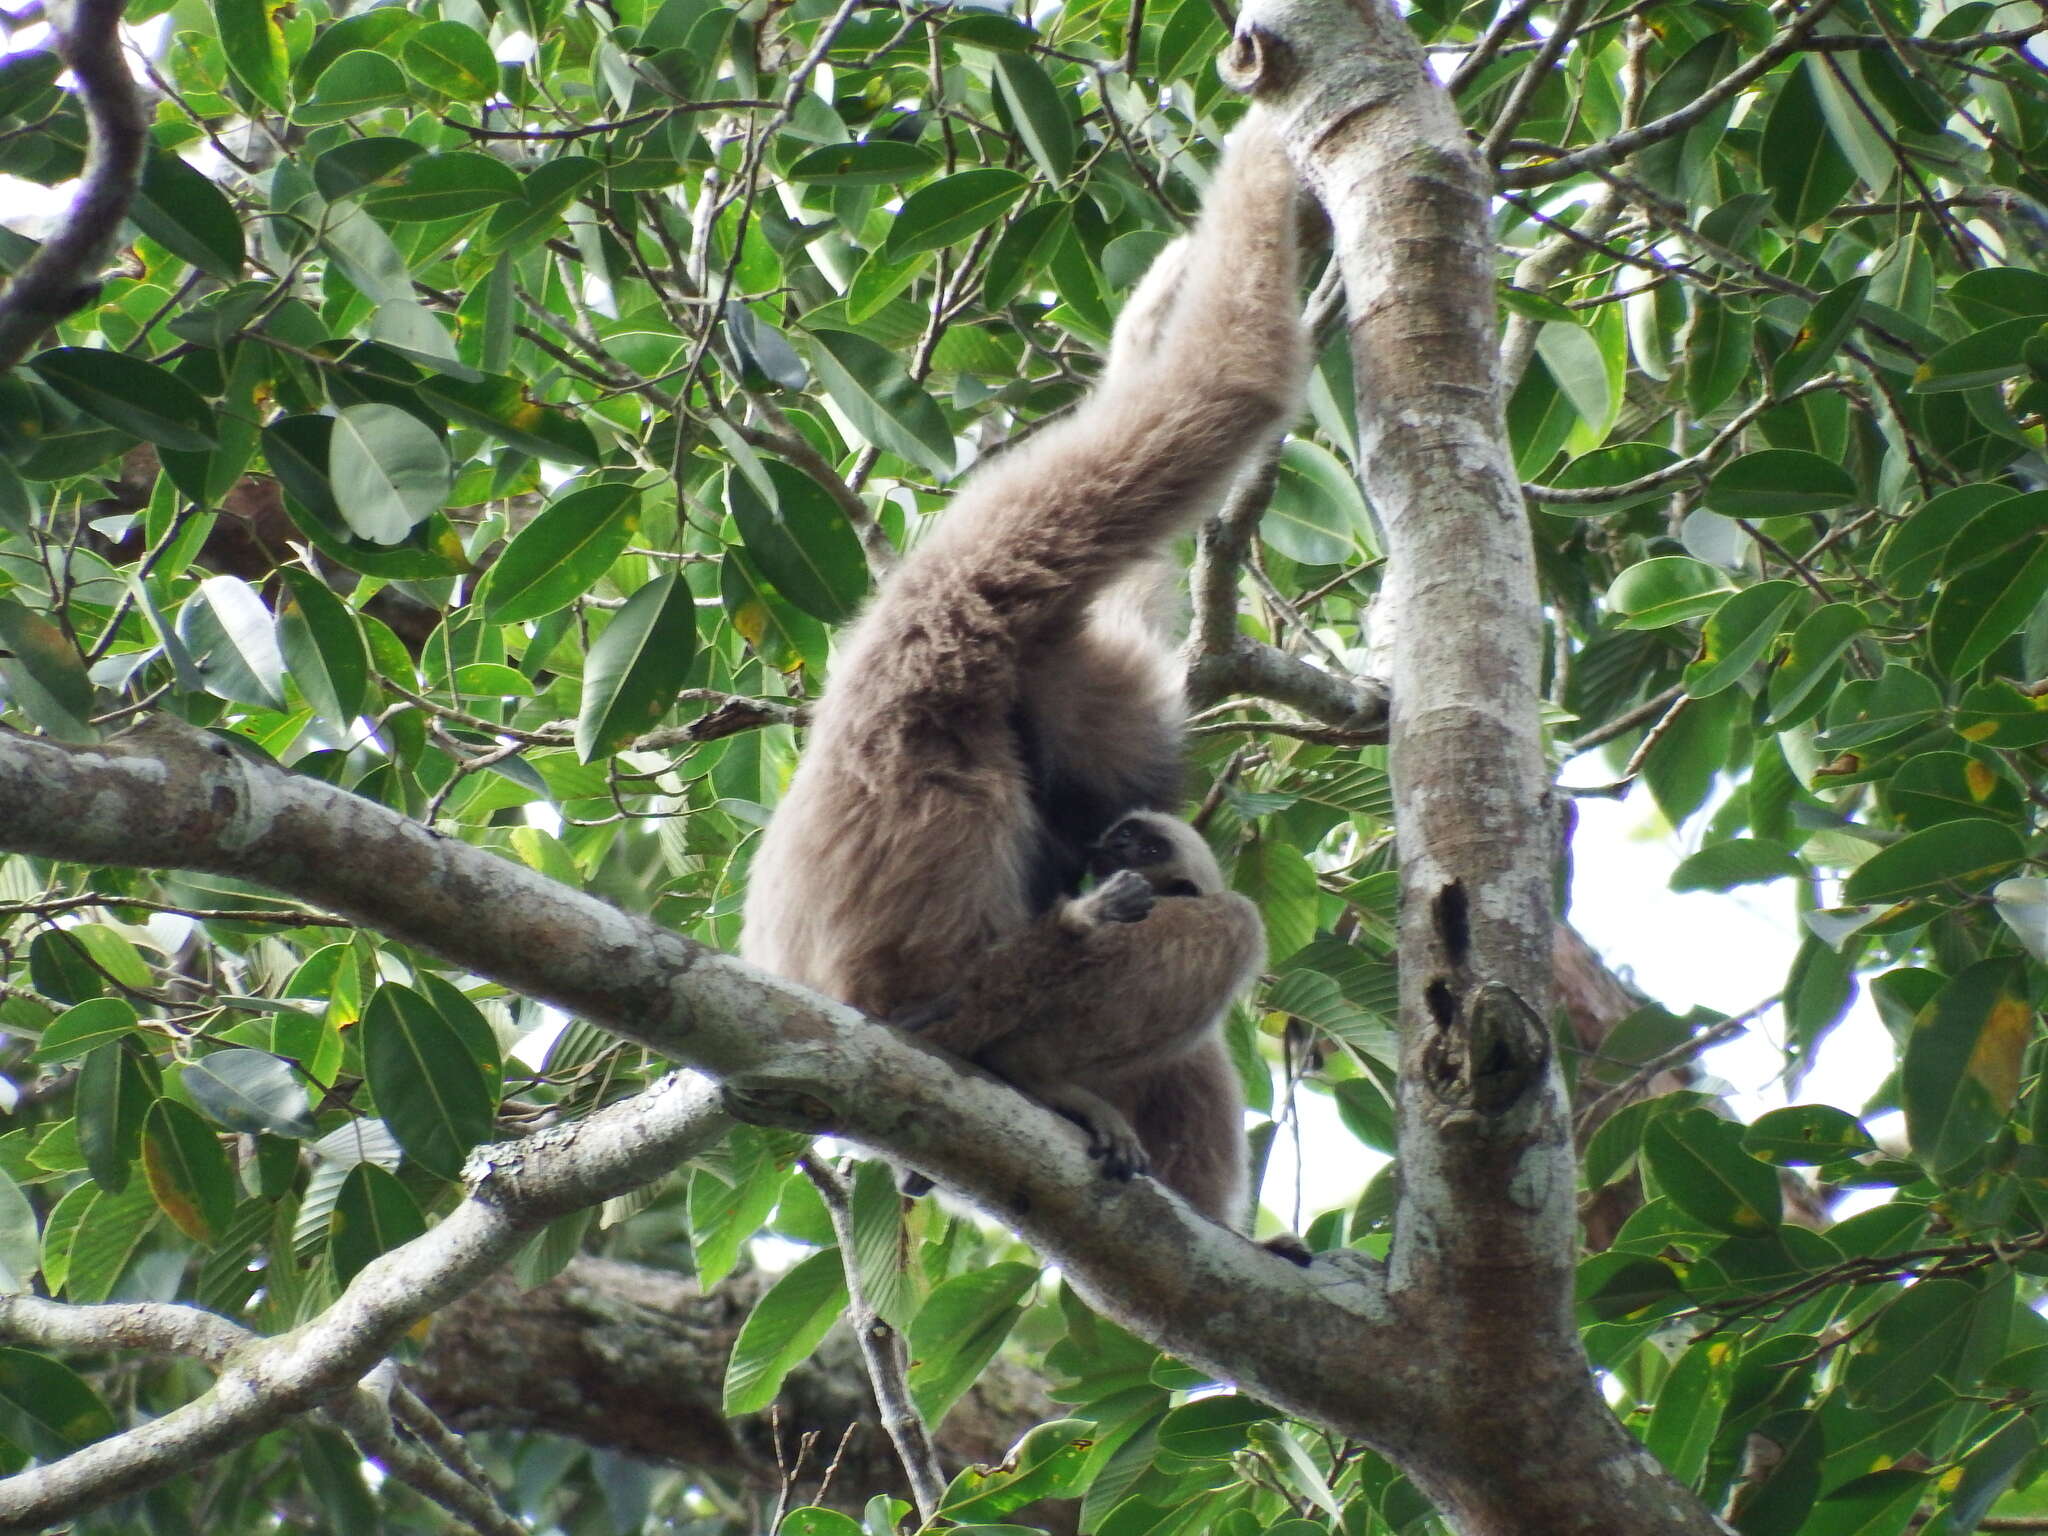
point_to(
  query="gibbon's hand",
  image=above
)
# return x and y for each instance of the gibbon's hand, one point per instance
(1125, 897)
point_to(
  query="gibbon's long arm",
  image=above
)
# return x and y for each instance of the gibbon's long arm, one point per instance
(987, 706)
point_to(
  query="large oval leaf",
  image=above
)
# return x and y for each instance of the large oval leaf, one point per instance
(428, 1086)
(558, 556)
(636, 666)
(801, 541)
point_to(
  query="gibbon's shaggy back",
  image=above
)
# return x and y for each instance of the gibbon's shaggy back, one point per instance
(995, 710)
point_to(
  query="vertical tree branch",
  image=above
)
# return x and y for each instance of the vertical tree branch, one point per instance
(1524, 1441)
(63, 276)
(881, 1350)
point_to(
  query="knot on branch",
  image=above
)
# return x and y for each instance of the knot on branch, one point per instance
(1488, 1051)
(763, 1102)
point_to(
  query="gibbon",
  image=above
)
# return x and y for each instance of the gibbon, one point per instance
(1142, 1069)
(1002, 706)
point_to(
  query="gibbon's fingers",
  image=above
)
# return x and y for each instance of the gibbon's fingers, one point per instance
(1125, 897)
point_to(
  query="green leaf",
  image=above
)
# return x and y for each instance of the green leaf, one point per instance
(1697, 1160)
(352, 85)
(952, 209)
(1832, 318)
(361, 164)
(1738, 634)
(876, 163)
(428, 1086)
(1688, 1409)
(231, 639)
(444, 186)
(958, 1331)
(876, 1208)
(549, 189)
(867, 381)
(1718, 350)
(390, 471)
(373, 1214)
(802, 541)
(1616, 464)
(1989, 356)
(636, 666)
(1212, 1428)
(1279, 878)
(1317, 515)
(1804, 168)
(297, 448)
(1738, 861)
(46, 1408)
(451, 58)
(1878, 1503)
(254, 48)
(50, 660)
(1048, 1463)
(189, 216)
(1670, 589)
(1806, 1135)
(110, 1230)
(1776, 482)
(812, 1521)
(2022, 906)
(1918, 1338)
(558, 556)
(1957, 857)
(1813, 658)
(1996, 714)
(126, 393)
(187, 1170)
(20, 1251)
(1038, 111)
(782, 1330)
(96, 1021)
(1961, 1069)
(1777, 1504)
(1023, 249)
(1983, 607)
(249, 1091)
(116, 1084)
(323, 645)
(1946, 786)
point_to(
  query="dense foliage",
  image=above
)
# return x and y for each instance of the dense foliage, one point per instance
(498, 407)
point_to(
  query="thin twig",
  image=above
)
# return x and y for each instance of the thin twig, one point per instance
(882, 1349)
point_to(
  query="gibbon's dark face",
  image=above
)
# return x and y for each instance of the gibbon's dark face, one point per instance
(1147, 845)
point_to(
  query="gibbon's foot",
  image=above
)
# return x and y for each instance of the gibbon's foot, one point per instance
(1118, 1150)
(1111, 1141)
(1290, 1248)
(922, 1016)
(1125, 897)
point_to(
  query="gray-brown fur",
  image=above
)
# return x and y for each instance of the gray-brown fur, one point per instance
(999, 705)
(1109, 1009)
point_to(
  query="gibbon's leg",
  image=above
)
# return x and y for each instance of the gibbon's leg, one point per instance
(1190, 1116)
(907, 842)
(1115, 1024)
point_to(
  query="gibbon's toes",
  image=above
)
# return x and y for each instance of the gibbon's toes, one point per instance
(921, 1016)
(1121, 1156)
(1125, 897)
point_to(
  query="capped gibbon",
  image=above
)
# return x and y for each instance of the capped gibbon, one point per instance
(1002, 710)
